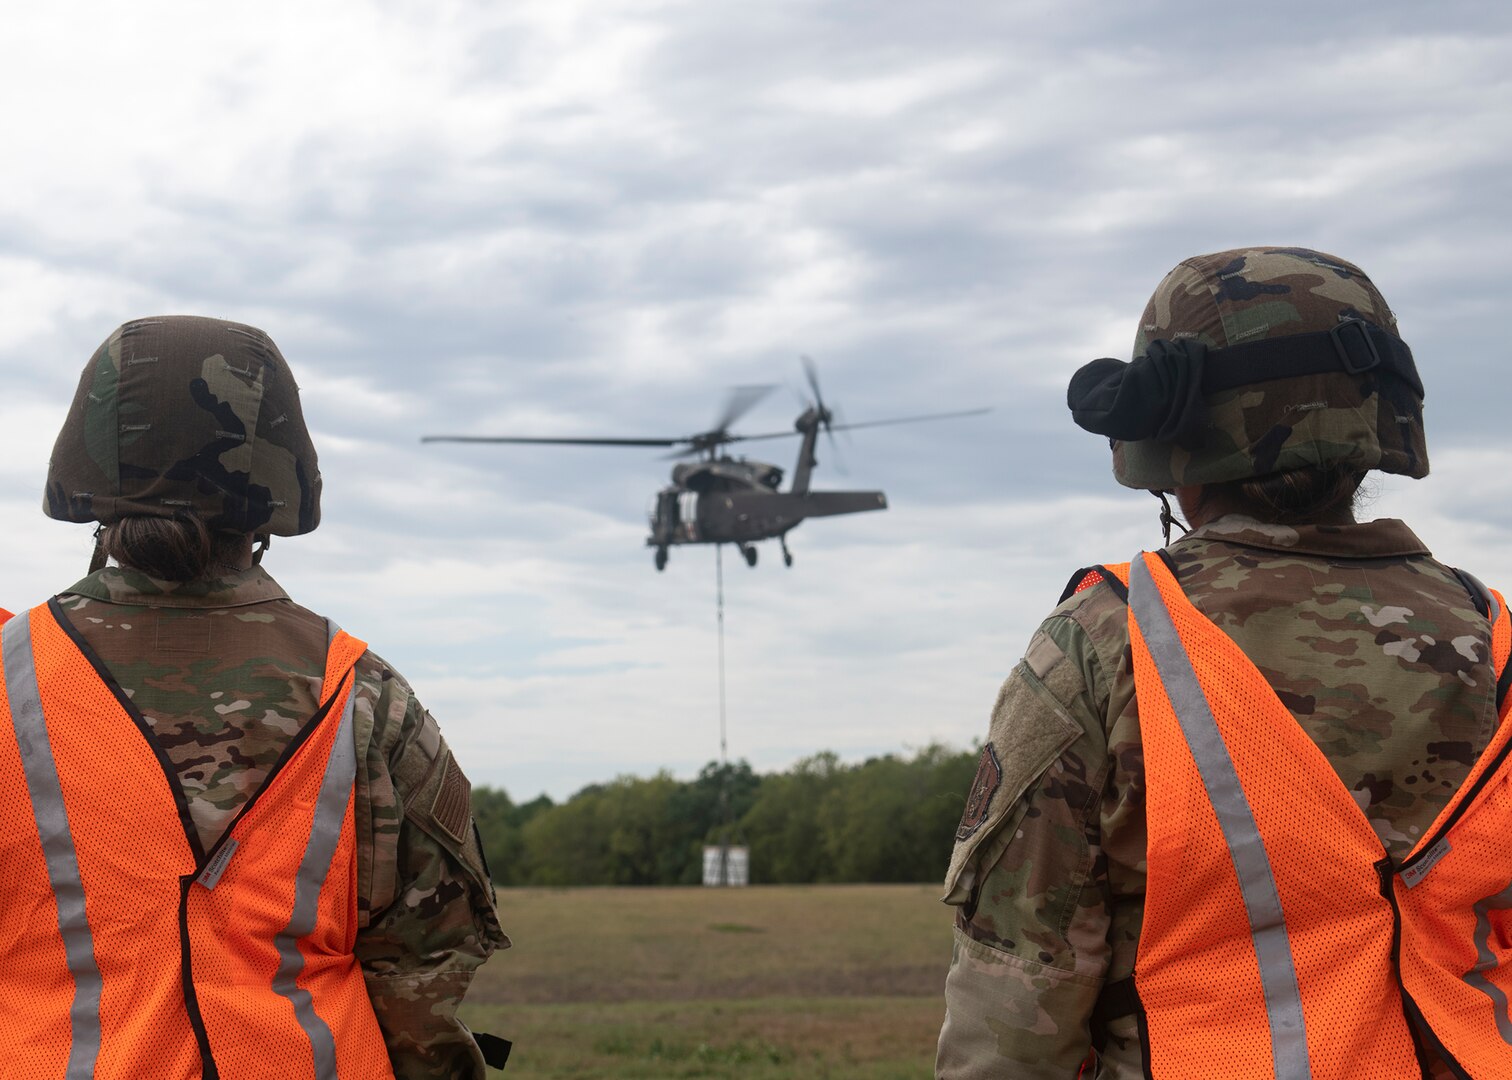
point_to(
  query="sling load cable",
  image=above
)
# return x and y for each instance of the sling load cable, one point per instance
(724, 764)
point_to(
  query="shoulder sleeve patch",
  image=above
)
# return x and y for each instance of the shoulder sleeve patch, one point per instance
(452, 807)
(989, 777)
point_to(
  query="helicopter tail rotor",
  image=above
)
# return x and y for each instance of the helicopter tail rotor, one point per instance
(838, 424)
(811, 372)
(826, 415)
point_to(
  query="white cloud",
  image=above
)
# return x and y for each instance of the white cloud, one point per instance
(591, 217)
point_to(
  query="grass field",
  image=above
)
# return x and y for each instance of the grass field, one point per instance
(834, 982)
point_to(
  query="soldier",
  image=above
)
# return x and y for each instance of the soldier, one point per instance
(234, 843)
(1243, 805)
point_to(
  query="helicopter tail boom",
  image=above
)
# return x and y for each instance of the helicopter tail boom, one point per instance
(745, 517)
(830, 503)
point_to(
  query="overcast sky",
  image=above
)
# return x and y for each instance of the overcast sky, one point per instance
(595, 217)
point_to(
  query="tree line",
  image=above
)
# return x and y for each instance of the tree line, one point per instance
(887, 819)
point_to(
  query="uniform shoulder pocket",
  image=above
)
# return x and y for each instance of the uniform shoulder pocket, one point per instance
(437, 796)
(1030, 729)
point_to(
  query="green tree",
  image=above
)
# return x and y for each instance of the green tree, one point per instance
(892, 819)
(627, 832)
(701, 804)
(493, 813)
(500, 823)
(889, 818)
(645, 841)
(564, 844)
(782, 825)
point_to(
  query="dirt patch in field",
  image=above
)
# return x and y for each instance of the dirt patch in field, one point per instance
(879, 981)
(617, 946)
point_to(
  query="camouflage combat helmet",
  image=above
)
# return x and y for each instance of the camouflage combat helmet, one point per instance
(1257, 361)
(177, 413)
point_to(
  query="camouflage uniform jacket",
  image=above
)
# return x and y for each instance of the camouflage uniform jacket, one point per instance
(1376, 649)
(226, 671)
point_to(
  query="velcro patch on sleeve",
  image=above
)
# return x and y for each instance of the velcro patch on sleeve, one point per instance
(989, 777)
(1030, 729)
(452, 808)
(1043, 654)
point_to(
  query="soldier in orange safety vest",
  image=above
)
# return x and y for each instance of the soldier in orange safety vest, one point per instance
(1244, 805)
(218, 808)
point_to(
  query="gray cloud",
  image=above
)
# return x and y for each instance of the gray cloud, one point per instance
(593, 218)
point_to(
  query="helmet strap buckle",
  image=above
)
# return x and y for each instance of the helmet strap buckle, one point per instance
(1352, 341)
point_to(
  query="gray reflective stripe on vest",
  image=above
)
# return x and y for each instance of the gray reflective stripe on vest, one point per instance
(325, 833)
(1485, 960)
(57, 843)
(1278, 975)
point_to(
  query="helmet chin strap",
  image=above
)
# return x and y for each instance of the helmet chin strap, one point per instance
(264, 542)
(1167, 518)
(97, 560)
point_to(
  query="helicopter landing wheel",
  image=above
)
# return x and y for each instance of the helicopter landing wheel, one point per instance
(787, 556)
(750, 555)
(661, 558)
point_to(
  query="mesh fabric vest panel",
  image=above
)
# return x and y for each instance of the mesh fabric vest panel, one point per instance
(36, 967)
(1456, 955)
(1327, 1006)
(129, 833)
(131, 849)
(235, 926)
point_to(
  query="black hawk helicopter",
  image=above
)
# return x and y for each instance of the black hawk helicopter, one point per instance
(720, 499)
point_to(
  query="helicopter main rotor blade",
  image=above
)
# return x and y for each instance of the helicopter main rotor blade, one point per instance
(741, 400)
(864, 424)
(686, 452)
(551, 442)
(912, 419)
(764, 435)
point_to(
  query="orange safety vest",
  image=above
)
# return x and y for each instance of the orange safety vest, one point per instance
(1279, 938)
(128, 951)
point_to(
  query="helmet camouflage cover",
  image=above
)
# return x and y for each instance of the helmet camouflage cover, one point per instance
(1369, 419)
(178, 413)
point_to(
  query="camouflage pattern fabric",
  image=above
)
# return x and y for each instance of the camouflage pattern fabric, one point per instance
(1377, 650)
(226, 671)
(178, 413)
(1371, 421)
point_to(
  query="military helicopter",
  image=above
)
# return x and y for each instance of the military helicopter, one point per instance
(720, 499)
